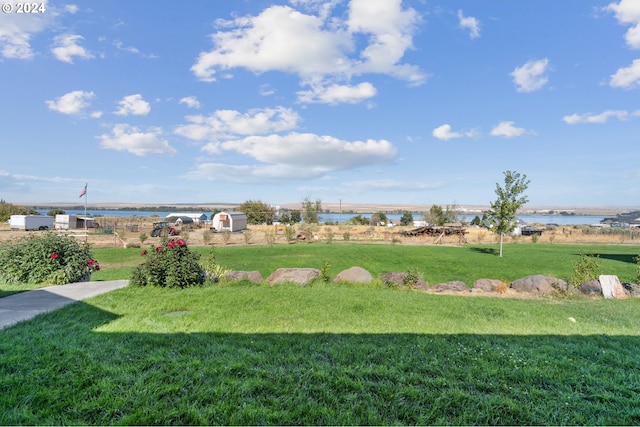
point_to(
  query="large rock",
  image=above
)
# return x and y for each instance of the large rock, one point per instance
(539, 284)
(631, 289)
(236, 276)
(299, 276)
(401, 279)
(592, 287)
(355, 275)
(611, 286)
(454, 286)
(487, 285)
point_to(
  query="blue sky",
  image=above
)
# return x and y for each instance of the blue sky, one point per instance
(364, 101)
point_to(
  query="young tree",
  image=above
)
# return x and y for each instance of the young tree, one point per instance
(503, 211)
(311, 210)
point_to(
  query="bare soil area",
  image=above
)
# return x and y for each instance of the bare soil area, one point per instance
(131, 232)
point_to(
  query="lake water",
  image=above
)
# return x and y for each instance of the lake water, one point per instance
(336, 217)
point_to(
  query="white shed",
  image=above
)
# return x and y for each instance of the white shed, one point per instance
(66, 222)
(232, 221)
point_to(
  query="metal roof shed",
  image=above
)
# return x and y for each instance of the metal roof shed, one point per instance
(232, 221)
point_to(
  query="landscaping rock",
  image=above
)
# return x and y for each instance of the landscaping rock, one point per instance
(591, 287)
(299, 276)
(454, 286)
(236, 276)
(400, 279)
(632, 289)
(355, 275)
(611, 286)
(486, 285)
(539, 284)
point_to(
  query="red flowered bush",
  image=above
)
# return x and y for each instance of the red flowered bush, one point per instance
(170, 265)
(46, 259)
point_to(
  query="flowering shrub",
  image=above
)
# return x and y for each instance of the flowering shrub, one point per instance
(170, 265)
(46, 259)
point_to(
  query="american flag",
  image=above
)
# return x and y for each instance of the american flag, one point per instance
(84, 191)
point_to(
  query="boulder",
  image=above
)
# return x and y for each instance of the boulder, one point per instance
(631, 289)
(486, 285)
(454, 286)
(592, 287)
(539, 284)
(355, 275)
(236, 276)
(611, 286)
(400, 279)
(299, 276)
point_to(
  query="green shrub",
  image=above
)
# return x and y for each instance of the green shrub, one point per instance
(46, 259)
(587, 268)
(170, 265)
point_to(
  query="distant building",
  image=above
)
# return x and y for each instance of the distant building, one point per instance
(196, 217)
(232, 221)
(631, 219)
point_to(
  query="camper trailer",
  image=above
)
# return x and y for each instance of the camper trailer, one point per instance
(31, 222)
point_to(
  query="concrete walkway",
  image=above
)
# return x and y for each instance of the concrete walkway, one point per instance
(25, 305)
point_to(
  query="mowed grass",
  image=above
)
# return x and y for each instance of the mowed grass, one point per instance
(436, 264)
(331, 354)
(322, 355)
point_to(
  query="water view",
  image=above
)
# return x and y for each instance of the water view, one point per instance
(341, 218)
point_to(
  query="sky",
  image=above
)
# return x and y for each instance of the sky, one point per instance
(359, 101)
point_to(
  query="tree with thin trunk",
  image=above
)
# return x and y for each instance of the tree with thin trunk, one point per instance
(503, 211)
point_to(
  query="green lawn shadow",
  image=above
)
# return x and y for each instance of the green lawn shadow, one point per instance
(63, 369)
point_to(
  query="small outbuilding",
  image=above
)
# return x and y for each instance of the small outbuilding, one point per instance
(232, 221)
(195, 217)
(73, 222)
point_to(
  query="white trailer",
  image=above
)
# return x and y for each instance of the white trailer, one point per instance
(31, 222)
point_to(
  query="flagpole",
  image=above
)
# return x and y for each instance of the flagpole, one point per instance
(86, 233)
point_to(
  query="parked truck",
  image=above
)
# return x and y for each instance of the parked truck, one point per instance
(31, 222)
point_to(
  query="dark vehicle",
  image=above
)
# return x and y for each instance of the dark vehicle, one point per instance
(159, 227)
(530, 231)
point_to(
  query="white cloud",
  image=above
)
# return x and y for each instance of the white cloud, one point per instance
(627, 78)
(445, 133)
(507, 129)
(295, 155)
(190, 101)
(628, 12)
(67, 47)
(71, 8)
(71, 103)
(129, 138)
(600, 118)
(250, 174)
(531, 76)
(470, 23)
(226, 124)
(390, 29)
(16, 30)
(320, 49)
(133, 104)
(337, 94)
(310, 150)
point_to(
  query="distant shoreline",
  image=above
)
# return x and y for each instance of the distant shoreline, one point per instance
(337, 207)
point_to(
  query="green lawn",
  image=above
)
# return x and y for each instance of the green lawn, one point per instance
(436, 263)
(332, 354)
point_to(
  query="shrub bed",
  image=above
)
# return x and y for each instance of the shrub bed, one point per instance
(171, 265)
(46, 259)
